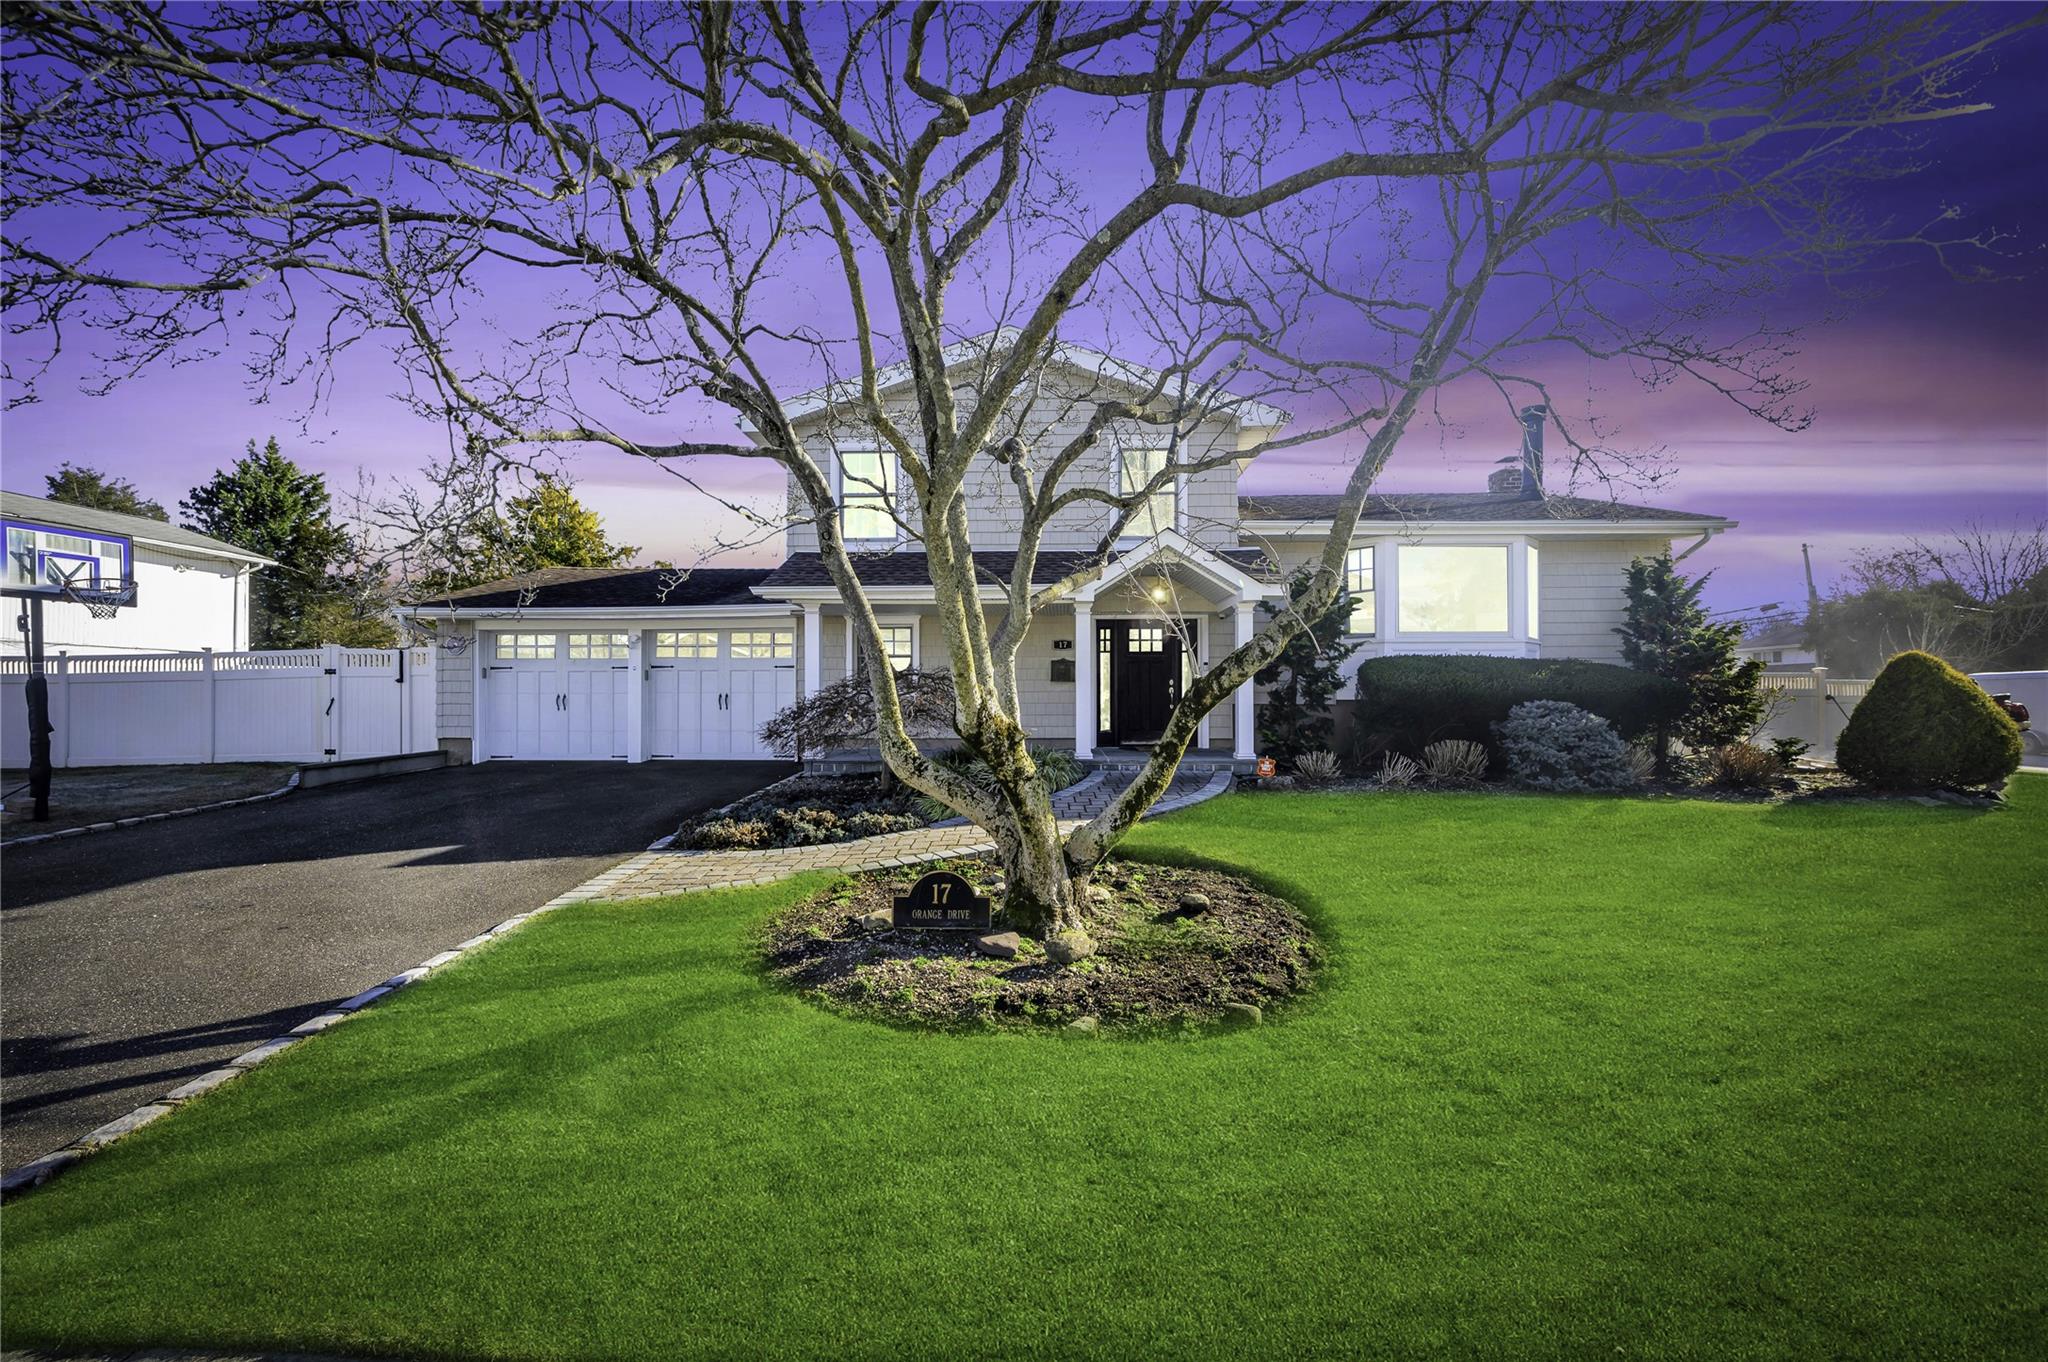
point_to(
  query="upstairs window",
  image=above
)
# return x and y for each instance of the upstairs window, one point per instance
(1453, 589)
(867, 495)
(1139, 467)
(1358, 581)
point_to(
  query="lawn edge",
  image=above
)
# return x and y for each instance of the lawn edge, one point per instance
(157, 817)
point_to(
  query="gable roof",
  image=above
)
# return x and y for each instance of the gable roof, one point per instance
(63, 515)
(1458, 507)
(564, 588)
(1092, 362)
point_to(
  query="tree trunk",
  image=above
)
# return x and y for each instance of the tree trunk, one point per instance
(1041, 896)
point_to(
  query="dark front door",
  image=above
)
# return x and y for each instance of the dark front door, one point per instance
(1142, 660)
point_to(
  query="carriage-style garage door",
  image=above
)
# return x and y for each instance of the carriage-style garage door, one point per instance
(556, 696)
(710, 690)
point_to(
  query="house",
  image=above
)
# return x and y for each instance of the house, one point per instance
(191, 590)
(1778, 641)
(636, 664)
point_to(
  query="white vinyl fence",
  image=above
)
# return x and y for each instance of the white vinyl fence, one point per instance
(308, 705)
(1810, 705)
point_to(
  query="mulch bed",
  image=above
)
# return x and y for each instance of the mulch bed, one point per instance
(1157, 964)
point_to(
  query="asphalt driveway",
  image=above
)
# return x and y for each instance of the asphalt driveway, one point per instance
(135, 959)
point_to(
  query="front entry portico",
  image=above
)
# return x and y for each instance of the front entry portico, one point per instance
(1139, 639)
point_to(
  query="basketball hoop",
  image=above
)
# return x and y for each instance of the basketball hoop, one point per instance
(103, 599)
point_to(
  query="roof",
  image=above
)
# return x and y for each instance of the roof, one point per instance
(801, 570)
(565, 588)
(140, 528)
(1470, 507)
(1246, 411)
(1775, 632)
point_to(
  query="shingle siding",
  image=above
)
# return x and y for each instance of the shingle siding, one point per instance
(1583, 595)
(1055, 415)
(455, 681)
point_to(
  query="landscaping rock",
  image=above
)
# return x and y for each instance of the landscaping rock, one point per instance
(1097, 894)
(1001, 945)
(1085, 1026)
(1242, 1014)
(878, 921)
(1192, 902)
(1068, 947)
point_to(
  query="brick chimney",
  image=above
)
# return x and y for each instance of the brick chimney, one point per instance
(1506, 480)
(1532, 451)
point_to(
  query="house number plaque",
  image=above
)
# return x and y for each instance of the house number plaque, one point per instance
(942, 901)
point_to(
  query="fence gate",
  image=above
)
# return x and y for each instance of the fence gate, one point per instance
(303, 705)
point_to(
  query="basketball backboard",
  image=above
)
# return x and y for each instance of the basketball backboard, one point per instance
(95, 568)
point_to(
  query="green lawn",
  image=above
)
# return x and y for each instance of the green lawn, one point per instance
(1594, 1078)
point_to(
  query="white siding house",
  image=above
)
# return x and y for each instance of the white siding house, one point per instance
(634, 665)
(192, 591)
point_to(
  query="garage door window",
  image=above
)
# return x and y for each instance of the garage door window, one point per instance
(526, 646)
(697, 644)
(596, 647)
(763, 643)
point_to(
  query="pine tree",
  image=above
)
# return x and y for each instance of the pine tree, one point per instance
(267, 504)
(546, 527)
(76, 485)
(1303, 680)
(1668, 634)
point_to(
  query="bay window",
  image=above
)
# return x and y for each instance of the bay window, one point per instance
(867, 495)
(1139, 467)
(1453, 589)
(1358, 581)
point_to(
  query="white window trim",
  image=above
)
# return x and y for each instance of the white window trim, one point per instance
(1379, 595)
(895, 538)
(886, 621)
(1387, 586)
(1180, 495)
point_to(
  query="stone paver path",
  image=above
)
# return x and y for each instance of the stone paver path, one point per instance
(656, 873)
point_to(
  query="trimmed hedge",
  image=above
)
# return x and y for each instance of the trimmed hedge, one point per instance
(1406, 703)
(1925, 723)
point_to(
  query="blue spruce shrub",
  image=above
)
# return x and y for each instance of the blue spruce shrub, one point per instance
(1551, 745)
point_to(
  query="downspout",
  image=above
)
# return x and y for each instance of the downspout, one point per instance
(1697, 544)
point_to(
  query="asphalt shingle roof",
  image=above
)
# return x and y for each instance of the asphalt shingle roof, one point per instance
(562, 588)
(1440, 507)
(63, 515)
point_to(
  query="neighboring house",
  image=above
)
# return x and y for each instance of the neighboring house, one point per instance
(192, 591)
(1777, 641)
(639, 663)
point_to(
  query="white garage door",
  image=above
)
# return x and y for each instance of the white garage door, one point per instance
(556, 696)
(710, 690)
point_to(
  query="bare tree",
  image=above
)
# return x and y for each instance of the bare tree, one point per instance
(1349, 207)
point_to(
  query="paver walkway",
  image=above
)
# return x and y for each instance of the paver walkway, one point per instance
(656, 873)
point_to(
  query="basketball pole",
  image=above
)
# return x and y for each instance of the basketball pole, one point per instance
(39, 727)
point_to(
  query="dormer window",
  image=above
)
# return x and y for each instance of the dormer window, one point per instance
(867, 496)
(1156, 513)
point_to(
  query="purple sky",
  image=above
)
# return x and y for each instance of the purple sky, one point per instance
(1932, 402)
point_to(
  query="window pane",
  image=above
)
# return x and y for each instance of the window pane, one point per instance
(527, 646)
(1358, 581)
(898, 641)
(1140, 466)
(587, 647)
(686, 644)
(1530, 566)
(763, 643)
(1454, 589)
(867, 491)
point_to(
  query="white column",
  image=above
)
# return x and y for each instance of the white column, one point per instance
(636, 695)
(1085, 723)
(1205, 628)
(814, 647)
(1247, 625)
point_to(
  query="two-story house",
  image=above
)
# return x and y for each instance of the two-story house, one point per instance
(637, 664)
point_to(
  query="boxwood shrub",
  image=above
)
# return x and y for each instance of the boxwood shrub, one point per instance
(1925, 723)
(1406, 703)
